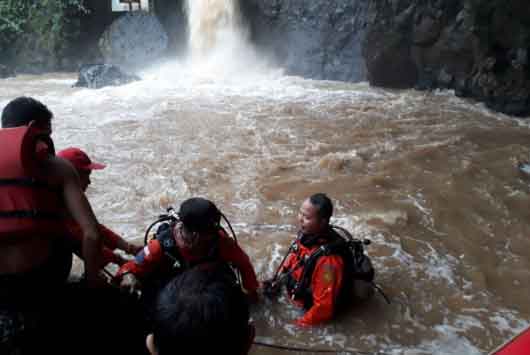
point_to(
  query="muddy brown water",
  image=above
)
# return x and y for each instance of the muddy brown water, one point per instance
(428, 177)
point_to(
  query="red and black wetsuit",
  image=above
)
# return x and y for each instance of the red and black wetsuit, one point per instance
(155, 259)
(316, 290)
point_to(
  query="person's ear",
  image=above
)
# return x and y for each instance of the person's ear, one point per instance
(149, 342)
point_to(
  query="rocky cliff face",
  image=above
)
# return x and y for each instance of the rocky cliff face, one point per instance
(480, 48)
(317, 39)
(477, 47)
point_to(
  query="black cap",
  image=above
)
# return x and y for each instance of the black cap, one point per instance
(199, 215)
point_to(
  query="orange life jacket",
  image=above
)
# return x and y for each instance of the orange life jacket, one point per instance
(28, 205)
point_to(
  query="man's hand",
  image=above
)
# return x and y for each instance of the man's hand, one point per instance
(130, 284)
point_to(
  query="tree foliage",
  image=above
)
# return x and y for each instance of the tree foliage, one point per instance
(43, 24)
(13, 15)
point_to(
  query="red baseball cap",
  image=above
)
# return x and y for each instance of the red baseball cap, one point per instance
(79, 159)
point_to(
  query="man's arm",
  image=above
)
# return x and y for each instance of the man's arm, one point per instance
(80, 210)
(114, 241)
(75, 235)
(233, 253)
(145, 262)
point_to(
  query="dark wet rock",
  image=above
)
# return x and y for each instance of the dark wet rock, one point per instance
(317, 39)
(389, 61)
(479, 48)
(6, 72)
(425, 80)
(426, 30)
(134, 39)
(96, 76)
(445, 80)
(461, 88)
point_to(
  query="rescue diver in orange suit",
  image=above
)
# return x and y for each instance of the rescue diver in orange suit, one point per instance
(111, 241)
(197, 238)
(320, 296)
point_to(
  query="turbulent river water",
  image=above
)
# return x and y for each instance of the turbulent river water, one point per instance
(429, 178)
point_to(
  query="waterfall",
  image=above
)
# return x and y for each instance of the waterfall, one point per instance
(214, 25)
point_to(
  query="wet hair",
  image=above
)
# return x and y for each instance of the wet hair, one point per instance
(199, 215)
(323, 204)
(201, 311)
(22, 110)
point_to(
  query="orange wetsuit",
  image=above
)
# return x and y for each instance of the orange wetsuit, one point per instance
(321, 295)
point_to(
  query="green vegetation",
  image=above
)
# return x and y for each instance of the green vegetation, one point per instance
(38, 25)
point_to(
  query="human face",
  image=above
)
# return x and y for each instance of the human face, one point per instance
(185, 238)
(309, 220)
(84, 178)
(192, 244)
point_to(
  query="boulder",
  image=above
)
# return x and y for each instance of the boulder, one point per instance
(134, 39)
(96, 76)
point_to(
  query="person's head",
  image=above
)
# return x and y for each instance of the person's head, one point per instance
(81, 163)
(201, 311)
(199, 221)
(24, 110)
(315, 213)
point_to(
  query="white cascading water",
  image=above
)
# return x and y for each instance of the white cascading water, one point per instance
(218, 40)
(214, 24)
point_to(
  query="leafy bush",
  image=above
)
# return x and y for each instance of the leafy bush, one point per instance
(13, 16)
(44, 25)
